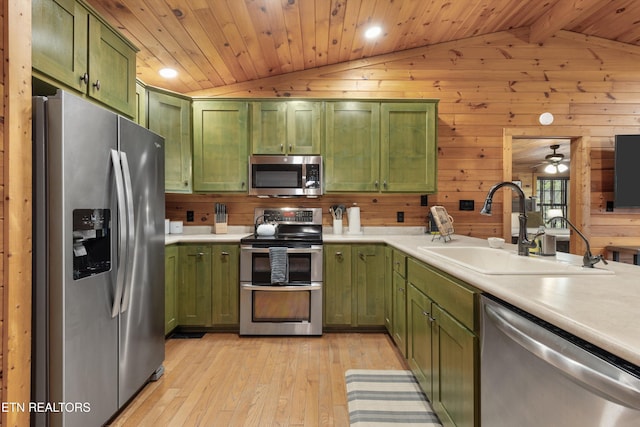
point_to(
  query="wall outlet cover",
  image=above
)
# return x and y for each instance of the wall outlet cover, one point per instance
(467, 205)
(400, 216)
(189, 216)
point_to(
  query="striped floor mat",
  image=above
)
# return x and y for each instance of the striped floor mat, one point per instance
(387, 398)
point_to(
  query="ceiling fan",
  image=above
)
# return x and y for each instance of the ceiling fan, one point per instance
(555, 161)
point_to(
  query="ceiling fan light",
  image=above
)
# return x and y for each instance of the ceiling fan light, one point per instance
(551, 169)
(562, 168)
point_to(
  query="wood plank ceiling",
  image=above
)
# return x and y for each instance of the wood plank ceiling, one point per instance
(214, 43)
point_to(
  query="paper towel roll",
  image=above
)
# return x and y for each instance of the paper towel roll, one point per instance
(354, 220)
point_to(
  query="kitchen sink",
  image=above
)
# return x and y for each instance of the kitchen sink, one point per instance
(502, 262)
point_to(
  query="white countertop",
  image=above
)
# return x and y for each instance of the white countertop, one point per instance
(601, 309)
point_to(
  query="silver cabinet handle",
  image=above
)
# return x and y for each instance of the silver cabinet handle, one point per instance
(586, 370)
(97, 85)
(224, 253)
(290, 147)
(338, 253)
(384, 183)
(186, 183)
(375, 184)
(362, 256)
(282, 148)
(200, 254)
(85, 78)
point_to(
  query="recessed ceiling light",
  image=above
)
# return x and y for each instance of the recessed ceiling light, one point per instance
(168, 73)
(373, 32)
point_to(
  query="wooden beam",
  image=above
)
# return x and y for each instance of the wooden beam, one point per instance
(16, 238)
(563, 13)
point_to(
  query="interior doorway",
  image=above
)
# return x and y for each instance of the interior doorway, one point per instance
(579, 176)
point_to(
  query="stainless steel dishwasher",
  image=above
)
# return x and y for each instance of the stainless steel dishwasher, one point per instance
(533, 374)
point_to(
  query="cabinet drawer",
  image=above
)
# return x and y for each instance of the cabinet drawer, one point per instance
(456, 297)
(399, 261)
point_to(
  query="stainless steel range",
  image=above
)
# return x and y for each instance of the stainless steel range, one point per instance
(281, 273)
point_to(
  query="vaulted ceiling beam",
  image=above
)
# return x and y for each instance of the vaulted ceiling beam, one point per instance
(561, 15)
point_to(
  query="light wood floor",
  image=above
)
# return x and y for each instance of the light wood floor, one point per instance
(227, 380)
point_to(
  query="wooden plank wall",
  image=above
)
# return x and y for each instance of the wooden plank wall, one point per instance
(15, 201)
(486, 84)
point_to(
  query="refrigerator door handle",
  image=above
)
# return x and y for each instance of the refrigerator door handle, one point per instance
(122, 235)
(128, 192)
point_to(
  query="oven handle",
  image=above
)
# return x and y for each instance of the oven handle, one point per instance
(289, 250)
(282, 288)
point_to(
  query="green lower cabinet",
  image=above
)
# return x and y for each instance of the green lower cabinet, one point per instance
(442, 348)
(194, 289)
(337, 287)
(226, 289)
(399, 322)
(454, 366)
(354, 285)
(208, 286)
(388, 290)
(419, 333)
(171, 277)
(368, 274)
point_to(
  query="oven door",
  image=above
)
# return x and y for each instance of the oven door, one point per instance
(305, 265)
(281, 310)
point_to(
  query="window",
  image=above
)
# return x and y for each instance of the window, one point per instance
(553, 193)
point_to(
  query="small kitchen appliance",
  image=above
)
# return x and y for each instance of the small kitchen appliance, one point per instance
(281, 273)
(285, 176)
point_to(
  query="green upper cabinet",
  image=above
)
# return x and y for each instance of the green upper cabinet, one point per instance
(408, 146)
(141, 105)
(286, 127)
(351, 150)
(72, 46)
(170, 116)
(220, 145)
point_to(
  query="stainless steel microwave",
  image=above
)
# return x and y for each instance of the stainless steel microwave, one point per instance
(285, 176)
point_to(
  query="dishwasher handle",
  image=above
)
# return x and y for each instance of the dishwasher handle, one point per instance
(583, 368)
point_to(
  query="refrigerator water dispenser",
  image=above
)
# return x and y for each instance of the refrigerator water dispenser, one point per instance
(91, 242)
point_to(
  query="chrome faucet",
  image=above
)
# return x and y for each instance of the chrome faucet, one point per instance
(588, 260)
(523, 242)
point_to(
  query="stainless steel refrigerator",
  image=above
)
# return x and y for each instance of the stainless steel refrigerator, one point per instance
(98, 286)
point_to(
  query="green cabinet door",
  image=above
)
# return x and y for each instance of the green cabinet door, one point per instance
(220, 145)
(268, 127)
(194, 290)
(388, 289)
(337, 289)
(400, 312)
(141, 105)
(455, 371)
(112, 68)
(408, 147)
(368, 274)
(419, 337)
(170, 117)
(286, 127)
(225, 284)
(352, 146)
(59, 41)
(171, 277)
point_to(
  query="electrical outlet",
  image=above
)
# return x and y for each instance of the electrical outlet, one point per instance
(400, 216)
(189, 216)
(424, 200)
